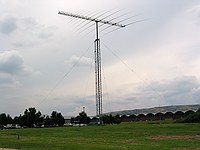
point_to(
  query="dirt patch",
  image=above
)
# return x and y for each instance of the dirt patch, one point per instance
(198, 136)
(6, 149)
(127, 141)
(172, 137)
(130, 141)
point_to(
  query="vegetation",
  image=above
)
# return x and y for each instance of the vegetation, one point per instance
(56, 119)
(82, 118)
(33, 118)
(124, 136)
(5, 119)
(109, 119)
(192, 118)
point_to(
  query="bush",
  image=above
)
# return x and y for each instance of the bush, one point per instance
(109, 119)
(193, 118)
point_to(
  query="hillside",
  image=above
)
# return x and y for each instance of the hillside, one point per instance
(154, 110)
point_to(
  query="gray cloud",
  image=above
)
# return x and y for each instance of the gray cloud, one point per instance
(180, 90)
(177, 91)
(41, 31)
(8, 25)
(11, 62)
(7, 81)
(32, 33)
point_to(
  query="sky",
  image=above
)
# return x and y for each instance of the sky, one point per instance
(47, 60)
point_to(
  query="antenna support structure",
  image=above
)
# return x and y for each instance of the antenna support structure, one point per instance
(97, 54)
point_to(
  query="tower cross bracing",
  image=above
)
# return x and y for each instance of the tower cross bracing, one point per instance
(97, 54)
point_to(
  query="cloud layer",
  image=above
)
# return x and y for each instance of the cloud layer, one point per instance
(151, 63)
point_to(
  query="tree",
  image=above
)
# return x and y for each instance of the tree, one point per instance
(192, 118)
(84, 118)
(5, 119)
(32, 118)
(18, 120)
(47, 121)
(57, 119)
(111, 119)
(81, 118)
(9, 119)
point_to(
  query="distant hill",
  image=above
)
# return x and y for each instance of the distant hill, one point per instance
(154, 110)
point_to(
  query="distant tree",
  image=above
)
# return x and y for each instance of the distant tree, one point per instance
(57, 119)
(31, 118)
(82, 118)
(47, 121)
(117, 119)
(73, 119)
(18, 120)
(192, 118)
(109, 119)
(60, 119)
(5, 119)
(9, 119)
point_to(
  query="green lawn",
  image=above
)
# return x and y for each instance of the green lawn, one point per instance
(124, 136)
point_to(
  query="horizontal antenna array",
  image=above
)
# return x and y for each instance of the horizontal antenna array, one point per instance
(92, 19)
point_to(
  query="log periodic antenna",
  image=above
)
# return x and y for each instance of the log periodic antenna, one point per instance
(97, 53)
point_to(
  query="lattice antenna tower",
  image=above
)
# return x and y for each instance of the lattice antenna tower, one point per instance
(97, 53)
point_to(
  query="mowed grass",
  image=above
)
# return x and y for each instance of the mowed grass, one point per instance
(124, 136)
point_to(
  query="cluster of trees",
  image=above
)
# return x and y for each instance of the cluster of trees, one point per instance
(82, 118)
(56, 119)
(192, 118)
(109, 119)
(5, 119)
(33, 118)
(189, 117)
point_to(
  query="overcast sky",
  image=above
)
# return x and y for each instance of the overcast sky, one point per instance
(47, 62)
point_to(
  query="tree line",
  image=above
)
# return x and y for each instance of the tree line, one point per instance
(82, 118)
(33, 118)
(192, 118)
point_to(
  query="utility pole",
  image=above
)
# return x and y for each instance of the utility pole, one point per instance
(98, 80)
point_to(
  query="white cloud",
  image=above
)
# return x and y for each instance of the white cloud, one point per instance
(79, 61)
(195, 11)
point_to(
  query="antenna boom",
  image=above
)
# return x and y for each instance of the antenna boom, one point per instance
(92, 19)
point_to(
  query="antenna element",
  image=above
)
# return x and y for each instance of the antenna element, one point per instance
(98, 81)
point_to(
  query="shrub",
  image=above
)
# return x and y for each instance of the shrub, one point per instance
(192, 118)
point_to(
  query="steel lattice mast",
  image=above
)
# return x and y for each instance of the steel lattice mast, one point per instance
(97, 53)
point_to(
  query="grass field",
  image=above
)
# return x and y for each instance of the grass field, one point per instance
(124, 136)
